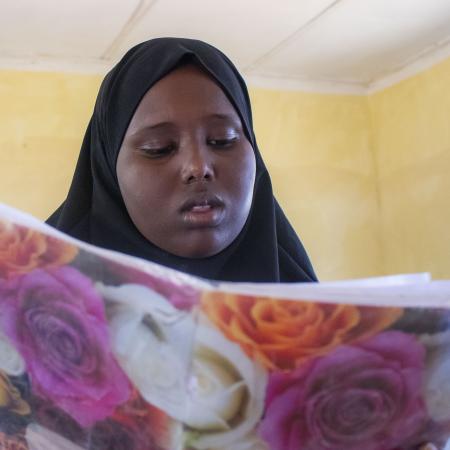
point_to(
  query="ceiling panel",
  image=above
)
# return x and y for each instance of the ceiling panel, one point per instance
(336, 41)
(359, 41)
(244, 30)
(61, 28)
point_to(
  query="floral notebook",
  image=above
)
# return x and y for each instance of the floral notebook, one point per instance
(102, 351)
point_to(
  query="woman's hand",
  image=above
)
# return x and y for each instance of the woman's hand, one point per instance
(428, 446)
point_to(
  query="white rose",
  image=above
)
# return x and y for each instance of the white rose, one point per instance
(186, 367)
(226, 393)
(436, 385)
(10, 360)
(153, 342)
(40, 438)
(250, 442)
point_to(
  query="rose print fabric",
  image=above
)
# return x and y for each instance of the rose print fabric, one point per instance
(102, 351)
(359, 396)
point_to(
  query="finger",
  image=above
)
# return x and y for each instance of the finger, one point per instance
(428, 446)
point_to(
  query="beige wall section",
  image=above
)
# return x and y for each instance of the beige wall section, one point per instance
(42, 122)
(317, 148)
(411, 123)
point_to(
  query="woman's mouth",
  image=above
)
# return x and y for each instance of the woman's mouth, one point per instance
(202, 212)
(201, 208)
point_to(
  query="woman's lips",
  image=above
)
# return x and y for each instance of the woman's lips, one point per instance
(202, 212)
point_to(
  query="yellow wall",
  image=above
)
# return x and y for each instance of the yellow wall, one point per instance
(361, 178)
(42, 121)
(317, 148)
(411, 121)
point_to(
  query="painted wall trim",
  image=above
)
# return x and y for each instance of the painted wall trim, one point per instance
(413, 66)
(425, 60)
(94, 66)
(306, 85)
(98, 66)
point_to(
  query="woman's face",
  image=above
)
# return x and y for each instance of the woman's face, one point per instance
(186, 170)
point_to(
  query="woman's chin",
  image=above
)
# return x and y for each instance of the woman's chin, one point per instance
(200, 243)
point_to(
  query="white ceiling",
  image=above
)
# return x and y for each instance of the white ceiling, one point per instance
(337, 45)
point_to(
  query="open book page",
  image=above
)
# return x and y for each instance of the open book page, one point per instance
(101, 351)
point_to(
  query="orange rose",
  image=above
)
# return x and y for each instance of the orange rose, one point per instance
(136, 408)
(280, 334)
(23, 249)
(153, 425)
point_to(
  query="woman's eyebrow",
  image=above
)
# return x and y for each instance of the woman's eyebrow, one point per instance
(165, 125)
(152, 127)
(224, 118)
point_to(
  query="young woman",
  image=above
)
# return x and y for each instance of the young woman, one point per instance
(170, 170)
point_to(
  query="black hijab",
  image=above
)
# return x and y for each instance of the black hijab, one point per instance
(266, 250)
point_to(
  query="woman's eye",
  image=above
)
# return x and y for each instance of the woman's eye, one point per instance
(222, 143)
(157, 152)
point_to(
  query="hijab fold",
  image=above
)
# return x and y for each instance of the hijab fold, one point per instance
(266, 250)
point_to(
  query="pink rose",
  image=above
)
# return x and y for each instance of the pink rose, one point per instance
(57, 322)
(365, 396)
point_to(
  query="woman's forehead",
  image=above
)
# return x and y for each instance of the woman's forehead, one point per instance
(186, 92)
(152, 63)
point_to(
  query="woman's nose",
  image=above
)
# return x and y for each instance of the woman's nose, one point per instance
(197, 164)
